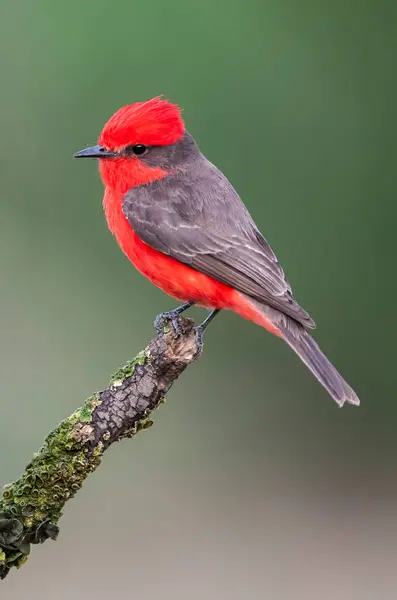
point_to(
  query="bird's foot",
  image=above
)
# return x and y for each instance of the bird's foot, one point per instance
(163, 320)
(201, 328)
(199, 331)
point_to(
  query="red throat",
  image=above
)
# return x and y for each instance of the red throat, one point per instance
(122, 174)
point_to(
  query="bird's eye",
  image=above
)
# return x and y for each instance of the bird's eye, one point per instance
(137, 149)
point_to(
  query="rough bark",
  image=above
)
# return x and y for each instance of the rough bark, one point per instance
(31, 507)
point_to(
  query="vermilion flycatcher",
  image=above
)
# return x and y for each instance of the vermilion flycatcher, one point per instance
(183, 226)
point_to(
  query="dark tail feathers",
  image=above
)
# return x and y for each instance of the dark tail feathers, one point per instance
(309, 352)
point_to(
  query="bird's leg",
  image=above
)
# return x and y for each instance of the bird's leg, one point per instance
(201, 328)
(172, 315)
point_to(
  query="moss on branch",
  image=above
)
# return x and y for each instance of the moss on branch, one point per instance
(31, 506)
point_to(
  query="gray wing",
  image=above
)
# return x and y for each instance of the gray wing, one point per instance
(197, 218)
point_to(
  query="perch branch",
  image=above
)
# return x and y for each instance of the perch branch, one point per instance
(31, 507)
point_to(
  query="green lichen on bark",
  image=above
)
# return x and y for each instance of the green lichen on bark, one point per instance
(56, 472)
(32, 505)
(142, 358)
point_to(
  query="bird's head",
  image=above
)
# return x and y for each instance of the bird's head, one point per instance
(141, 142)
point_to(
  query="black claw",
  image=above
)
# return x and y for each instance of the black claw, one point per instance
(199, 338)
(162, 320)
(159, 323)
(166, 318)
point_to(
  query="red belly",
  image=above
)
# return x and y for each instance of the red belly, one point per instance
(175, 278)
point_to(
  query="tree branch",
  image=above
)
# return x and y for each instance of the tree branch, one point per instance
(31, 506)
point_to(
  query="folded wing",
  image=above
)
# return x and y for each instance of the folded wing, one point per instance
(198, 219)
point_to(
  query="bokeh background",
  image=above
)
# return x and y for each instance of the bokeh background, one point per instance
(252, 483)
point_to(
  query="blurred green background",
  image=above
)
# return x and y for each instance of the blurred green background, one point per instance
(252, 483)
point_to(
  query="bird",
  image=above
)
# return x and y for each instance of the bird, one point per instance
(181, 223)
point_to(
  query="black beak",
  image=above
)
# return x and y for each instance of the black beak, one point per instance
(95, 152)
